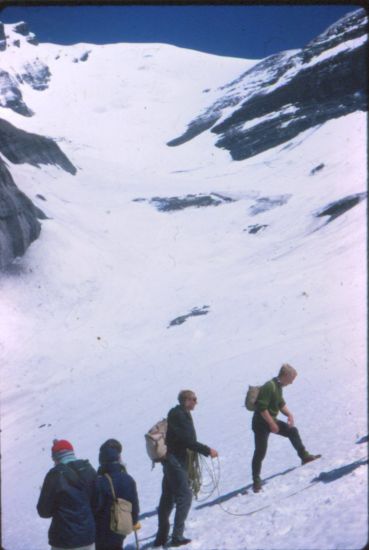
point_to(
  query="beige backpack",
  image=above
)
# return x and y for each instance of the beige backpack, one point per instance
(155, 441)
(251, 397)
(120, 513)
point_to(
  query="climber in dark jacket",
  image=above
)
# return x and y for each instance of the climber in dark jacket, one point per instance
(66, 497)
(124, 487)
(114, 444)
(180, 437)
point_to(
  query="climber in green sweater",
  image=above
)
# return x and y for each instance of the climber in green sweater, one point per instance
(268, 404)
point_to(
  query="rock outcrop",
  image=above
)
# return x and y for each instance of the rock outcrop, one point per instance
(19, 225)
(290, 92)
(33, 72)
(19, 217)
(172, 204)
(19, 147)
(11, 96)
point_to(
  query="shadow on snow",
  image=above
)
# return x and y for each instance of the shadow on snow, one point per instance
(242, 490)
(337, 473)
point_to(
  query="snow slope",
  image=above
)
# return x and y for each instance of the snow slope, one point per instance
(87, 347)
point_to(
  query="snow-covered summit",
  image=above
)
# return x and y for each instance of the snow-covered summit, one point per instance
(67, 90)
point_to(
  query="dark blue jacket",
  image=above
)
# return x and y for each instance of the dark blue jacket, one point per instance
(66, 497)
(181, 434)
(124, 487)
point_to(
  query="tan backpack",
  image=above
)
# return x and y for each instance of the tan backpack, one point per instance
(155, 441)
(251, 397)
(120, 513)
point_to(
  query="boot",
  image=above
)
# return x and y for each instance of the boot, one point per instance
(180, 542)
(256, 486)
(309, 458)
(159, 543)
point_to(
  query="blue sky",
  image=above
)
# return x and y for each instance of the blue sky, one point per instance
(249, 31)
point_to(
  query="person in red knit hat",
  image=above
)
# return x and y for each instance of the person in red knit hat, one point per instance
(66, 496)
(62, 451)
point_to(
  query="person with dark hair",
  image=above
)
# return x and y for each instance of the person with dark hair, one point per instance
(110, 444)
(112, 477)
(176, 490)
(268, 404)
(66, 496)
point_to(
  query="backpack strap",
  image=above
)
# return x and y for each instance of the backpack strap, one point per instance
(111, 485)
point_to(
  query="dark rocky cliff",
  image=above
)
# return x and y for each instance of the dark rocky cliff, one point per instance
(19, 147)
(19, 217)
(290, 92)
(19, 225)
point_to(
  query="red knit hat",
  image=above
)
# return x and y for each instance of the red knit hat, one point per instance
(61, 445)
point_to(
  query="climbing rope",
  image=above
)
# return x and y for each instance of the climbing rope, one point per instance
(194, 472)
(215, 475)
(208, 488)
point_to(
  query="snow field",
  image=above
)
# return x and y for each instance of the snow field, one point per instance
(87, 352)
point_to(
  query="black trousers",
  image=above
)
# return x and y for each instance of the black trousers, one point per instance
(262, 431)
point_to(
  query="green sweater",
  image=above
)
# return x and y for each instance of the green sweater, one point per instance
(270, 398)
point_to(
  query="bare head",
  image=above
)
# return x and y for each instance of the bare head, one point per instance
(287, 374)
(188, 399)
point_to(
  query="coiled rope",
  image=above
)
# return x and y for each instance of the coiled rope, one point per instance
(214, 473)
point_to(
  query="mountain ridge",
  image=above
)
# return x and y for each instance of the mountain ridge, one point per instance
(313, 93)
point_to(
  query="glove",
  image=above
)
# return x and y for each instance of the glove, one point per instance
(137, 526)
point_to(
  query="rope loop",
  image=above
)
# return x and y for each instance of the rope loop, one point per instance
(214, 474)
